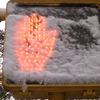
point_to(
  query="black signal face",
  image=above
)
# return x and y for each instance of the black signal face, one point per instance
(48, 44)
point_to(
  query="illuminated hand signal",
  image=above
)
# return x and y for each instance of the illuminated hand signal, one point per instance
(34, 43)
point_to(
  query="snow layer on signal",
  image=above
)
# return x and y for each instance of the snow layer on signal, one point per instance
(74, 60)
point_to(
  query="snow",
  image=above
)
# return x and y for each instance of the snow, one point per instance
(3, 4)
(2, 25)
(70, 62)
(93, 23)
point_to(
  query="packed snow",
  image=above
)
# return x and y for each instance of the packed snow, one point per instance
(76, 55)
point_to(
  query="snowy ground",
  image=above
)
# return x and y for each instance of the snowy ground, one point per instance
(76, 54)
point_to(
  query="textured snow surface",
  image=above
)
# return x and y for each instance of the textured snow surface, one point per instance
(76, 56)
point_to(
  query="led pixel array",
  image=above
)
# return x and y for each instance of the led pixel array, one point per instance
(34, 43)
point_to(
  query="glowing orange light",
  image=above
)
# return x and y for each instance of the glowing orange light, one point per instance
(34, 43)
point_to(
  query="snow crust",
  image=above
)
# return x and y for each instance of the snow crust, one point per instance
(68, 64)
